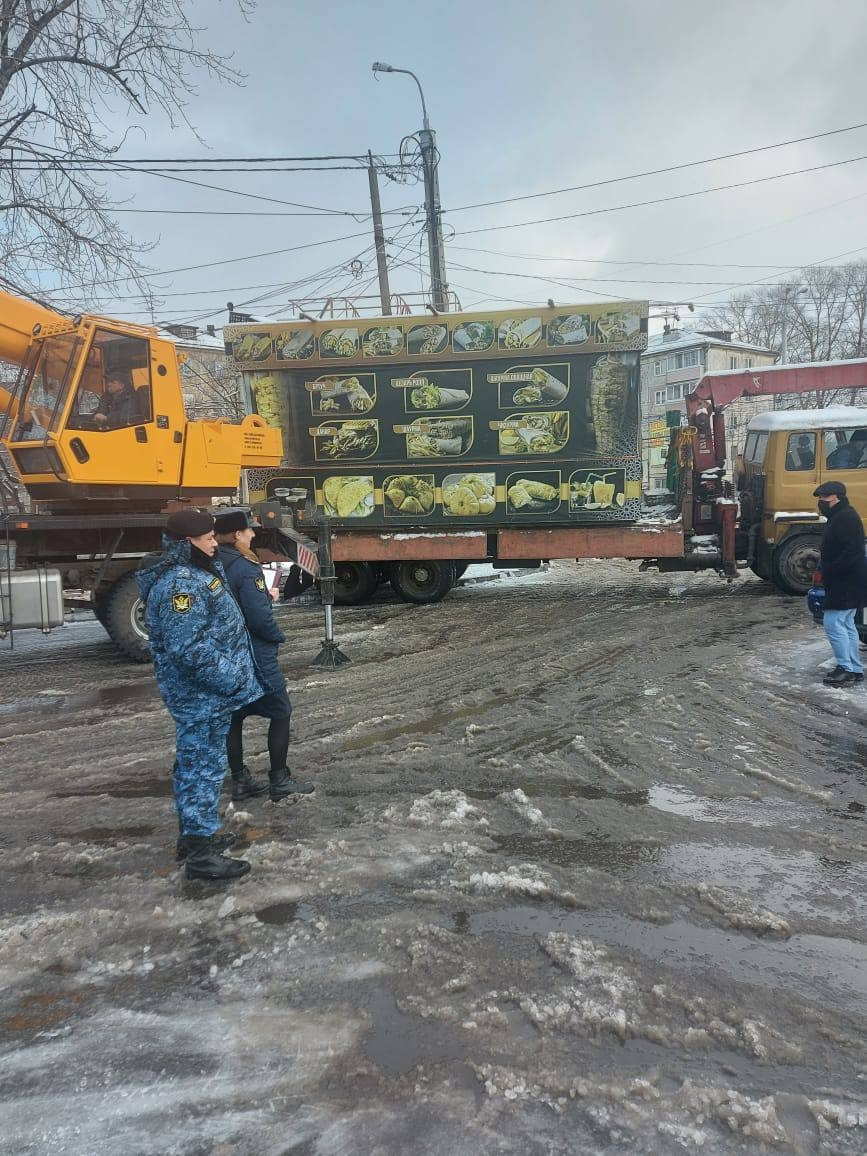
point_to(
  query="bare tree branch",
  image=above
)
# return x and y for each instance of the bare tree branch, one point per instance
(67, 69)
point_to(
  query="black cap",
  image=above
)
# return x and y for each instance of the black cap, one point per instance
(189, 523)
(235, 518)
(123, 375)
(827, 489)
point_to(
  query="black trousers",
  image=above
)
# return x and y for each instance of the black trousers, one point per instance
(274, 706)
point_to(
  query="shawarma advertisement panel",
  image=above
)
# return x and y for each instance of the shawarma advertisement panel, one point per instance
(506, 418)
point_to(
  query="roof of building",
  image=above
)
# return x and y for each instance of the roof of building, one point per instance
(690, 338)
(190, 337)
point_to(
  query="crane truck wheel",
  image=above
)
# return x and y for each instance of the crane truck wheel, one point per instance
(124, 619)
(422, 582)
(356, 581)
(794, 561)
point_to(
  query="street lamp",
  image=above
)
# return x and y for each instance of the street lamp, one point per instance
(433, 213)
(378, 66)
(797, 291)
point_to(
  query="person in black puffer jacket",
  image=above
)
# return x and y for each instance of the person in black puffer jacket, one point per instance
(235, 532)
(844, 574)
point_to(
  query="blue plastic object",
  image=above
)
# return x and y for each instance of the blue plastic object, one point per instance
(816, 602)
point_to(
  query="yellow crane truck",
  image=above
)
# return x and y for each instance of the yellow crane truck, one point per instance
(93, 426)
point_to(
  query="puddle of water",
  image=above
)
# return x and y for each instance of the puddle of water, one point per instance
(826, 970)
(561, 789)
(279, 914)
(593, 851)
(155, 787)
(703, 809)
(107, 696)
(398, 1042)
(797, 883)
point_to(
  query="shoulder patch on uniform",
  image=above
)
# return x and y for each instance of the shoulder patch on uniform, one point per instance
(182, 602)
(215, 584)
(260, 583)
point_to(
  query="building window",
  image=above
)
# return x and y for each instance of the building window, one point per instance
(676, 361)
(659, 397)
(748, 363)
(733, 362)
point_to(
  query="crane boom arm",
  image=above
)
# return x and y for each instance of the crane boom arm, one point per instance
(721, 389)
(17, 320)
(715, 391)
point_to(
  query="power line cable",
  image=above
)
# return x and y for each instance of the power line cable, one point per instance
(117, 167)
(615, 260)
(794, 269)
(568, 284)
(407, 211)
(659, 200)
(214, 264)
(362, 158)
(658, 172)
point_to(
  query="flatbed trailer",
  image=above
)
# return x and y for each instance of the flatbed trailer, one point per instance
(89, 561)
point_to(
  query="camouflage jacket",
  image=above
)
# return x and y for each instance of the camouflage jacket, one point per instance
(203, 659)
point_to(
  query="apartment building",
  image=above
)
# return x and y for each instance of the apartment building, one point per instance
(671, 367)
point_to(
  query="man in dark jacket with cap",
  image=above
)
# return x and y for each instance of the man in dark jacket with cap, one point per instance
(844, 575)
(121, 405)
(236, 530)
(205, 669)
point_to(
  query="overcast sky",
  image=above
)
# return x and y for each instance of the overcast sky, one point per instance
(524, 98)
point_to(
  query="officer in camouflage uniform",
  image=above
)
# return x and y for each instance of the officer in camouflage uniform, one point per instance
(205, 670)
(235, 530)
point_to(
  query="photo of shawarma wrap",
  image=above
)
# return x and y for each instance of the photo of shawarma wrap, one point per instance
(535, 433)
(343, 394)
(428, 394)
(444, 437)
(533, 494)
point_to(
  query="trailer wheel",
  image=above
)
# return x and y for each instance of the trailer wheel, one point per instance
(125, 621)
(459, 569)
(356, 581)
(794, 563)
(422, 582)
(98, 605)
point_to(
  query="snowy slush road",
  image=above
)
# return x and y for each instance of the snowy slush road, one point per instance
(584, 873)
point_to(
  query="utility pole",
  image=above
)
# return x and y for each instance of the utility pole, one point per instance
(378, 236)
(433, 212)
(433, 215)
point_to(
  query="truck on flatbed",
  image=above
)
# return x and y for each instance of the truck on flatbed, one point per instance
(430, 443)
(512, 437)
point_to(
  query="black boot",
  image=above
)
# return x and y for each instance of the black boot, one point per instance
(244, 786)
(203, 862)
(219, 842)
(282, 784)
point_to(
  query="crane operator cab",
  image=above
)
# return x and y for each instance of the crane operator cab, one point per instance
(786, 455)
(97, 415)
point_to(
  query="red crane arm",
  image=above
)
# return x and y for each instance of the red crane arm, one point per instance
(705, 405)
(721, 389)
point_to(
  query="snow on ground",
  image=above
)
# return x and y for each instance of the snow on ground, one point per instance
(585, 871)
